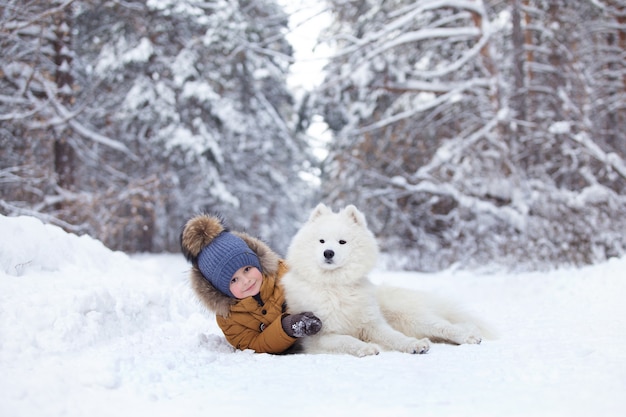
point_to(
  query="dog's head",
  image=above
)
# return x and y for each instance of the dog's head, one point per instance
(334, 242)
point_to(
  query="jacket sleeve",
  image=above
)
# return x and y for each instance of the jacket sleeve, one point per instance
(272, 339)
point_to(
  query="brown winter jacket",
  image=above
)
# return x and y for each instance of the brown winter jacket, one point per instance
(253, 322)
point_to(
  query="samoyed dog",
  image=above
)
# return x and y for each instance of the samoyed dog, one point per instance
(329, 260)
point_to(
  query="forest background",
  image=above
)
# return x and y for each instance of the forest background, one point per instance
(470, 132)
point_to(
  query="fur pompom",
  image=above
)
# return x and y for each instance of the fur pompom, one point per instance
(197, 233)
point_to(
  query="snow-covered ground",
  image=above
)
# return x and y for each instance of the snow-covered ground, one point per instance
(85, 331)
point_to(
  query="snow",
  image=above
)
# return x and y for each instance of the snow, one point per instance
(560, 128)
(200, 90)
(110, 58)
(88, 331)
(183, 67)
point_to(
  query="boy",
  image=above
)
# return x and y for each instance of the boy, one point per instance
(238, 278)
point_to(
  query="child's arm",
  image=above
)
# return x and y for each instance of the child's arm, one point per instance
(272, 339)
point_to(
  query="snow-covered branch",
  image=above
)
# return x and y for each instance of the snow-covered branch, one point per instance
(611, 159)
(82, 130)
(460, 33)
(452, 91)
(475, 204)
(16, 25)
(454, 148)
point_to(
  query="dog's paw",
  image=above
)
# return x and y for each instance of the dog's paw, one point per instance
(465, 336)
(470, 334)
(419, 346)
(473, 339)
(367, 349)
(413, 346)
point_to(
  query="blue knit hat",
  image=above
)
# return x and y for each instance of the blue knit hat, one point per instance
(219, 260)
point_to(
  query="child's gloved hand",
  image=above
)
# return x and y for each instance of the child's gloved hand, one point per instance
(303, 324)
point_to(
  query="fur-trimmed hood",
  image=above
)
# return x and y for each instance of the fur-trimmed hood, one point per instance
(199, 232)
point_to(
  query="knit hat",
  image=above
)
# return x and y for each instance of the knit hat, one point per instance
(220, 259)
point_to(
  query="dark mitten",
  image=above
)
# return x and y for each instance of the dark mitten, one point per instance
(303, 324)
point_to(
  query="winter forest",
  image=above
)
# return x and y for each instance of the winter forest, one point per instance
(470, 132)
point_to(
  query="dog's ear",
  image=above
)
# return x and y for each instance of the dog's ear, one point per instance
(355, 215)
(319, 211)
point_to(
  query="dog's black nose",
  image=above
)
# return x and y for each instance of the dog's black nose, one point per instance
(328, 254)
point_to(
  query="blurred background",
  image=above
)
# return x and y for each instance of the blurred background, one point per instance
(470, 133)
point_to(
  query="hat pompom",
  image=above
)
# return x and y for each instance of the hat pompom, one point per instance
(198, 233)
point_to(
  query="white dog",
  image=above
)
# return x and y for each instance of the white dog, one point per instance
(329, 259)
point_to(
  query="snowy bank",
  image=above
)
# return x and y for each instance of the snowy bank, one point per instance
(88, 331)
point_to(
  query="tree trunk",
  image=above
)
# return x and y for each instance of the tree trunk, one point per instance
(518, 98)
(64, 154)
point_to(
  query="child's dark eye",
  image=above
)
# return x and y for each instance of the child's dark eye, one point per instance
(342, 242)
(321, 240)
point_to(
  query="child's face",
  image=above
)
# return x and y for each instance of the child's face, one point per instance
(246, 282)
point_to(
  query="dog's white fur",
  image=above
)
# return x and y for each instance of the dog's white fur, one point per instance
(329, 260)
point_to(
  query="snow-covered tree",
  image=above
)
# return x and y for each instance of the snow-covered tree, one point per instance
(184, 105)
(466, 129)
(43, 137)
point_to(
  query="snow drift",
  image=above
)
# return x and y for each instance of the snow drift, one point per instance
(88, 331)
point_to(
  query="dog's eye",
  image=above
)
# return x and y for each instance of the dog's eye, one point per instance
(321, 240)
(342, 242)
